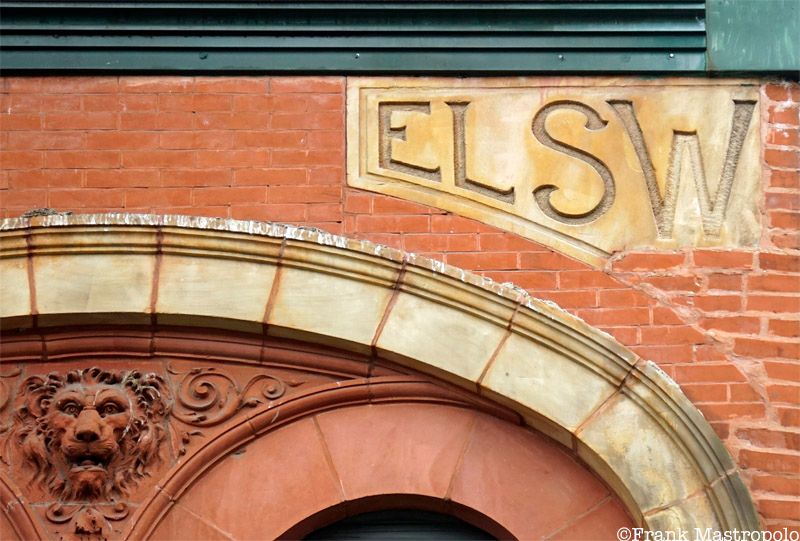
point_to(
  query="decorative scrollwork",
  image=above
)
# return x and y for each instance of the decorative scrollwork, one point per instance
(5, 394)
(59, 512)
(5, 397)
(87, 522)
(207, 396)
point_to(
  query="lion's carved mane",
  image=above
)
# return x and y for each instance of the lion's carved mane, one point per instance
(91, 434)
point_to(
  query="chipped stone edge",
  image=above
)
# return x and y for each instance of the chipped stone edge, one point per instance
(304, 234)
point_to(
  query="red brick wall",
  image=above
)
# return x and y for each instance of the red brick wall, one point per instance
(724, 324)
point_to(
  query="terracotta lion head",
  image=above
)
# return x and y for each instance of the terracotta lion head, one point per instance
(91, 434)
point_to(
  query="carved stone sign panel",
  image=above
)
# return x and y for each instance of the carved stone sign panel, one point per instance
(587, 167)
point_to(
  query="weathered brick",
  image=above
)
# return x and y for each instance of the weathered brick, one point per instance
(719, 412)
(715, 303)
(665, 354)
(785, 508)
(583, 279)
(788, 159)
(484, 260)
(723, 259)
(278, 213)
(20, 159)
(783, 114)
(147, 197)
(671, 334)
(45, 140)
(779, 262)
(733, 324)
(79, 85)
(615, 316)
(675, 283)
(232, 158)
(305, 194)
(390, 205)
(570, 299)
(780, 484)
(786, 393)
(743, 392)
(788, 328)
(779, 92)
(622, 297)
(270, 177)
(294, 139)
(784, 179)
(45, 178)
(648, 261)
(23, 199)
(770, 461)
(233, 85)
(82, 159)
(80, 121)
(157, 158)
(706, 392)
(774, 282)
(122, 178)
(773, 303)
(784, 219)
(725, 282)
(698, 373)
(227, 196)
(155, 84)
(85, 198)
(13, 121)
(784, 137)
(282, 85)
(120, 140)
(196, 177)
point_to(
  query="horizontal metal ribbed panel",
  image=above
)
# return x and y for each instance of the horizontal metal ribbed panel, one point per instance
(375, 37)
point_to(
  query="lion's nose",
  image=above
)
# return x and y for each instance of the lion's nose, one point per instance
(87, 429)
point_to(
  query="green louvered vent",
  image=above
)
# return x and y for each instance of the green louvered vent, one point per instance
(644, 36)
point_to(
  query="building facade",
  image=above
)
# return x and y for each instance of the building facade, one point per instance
(269, 266)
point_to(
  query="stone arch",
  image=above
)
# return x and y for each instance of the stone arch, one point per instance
(621, 415)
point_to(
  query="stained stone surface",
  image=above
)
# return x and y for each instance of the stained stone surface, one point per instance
(524, 370)
(587, 167)
(14, 290)
(190, 285)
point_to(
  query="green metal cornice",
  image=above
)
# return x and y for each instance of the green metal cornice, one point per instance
(618, 36)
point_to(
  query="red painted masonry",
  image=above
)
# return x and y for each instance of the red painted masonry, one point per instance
(724, 324)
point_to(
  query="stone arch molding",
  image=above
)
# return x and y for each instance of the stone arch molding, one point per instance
(624, 417)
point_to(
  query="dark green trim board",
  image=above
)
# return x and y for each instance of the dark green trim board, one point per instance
(459, 37)
(410, 37)
(754, 35)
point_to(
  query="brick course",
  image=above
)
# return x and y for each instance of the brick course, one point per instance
(725, 324)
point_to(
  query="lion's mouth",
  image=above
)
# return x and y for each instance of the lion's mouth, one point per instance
(89, 463)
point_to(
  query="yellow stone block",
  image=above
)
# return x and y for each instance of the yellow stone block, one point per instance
(15, 298)
(93, 283)
(525, 370)
(441, 337)
(342, 311)
(220, 288)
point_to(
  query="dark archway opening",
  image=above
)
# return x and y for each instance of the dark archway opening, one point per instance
(400, 525)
